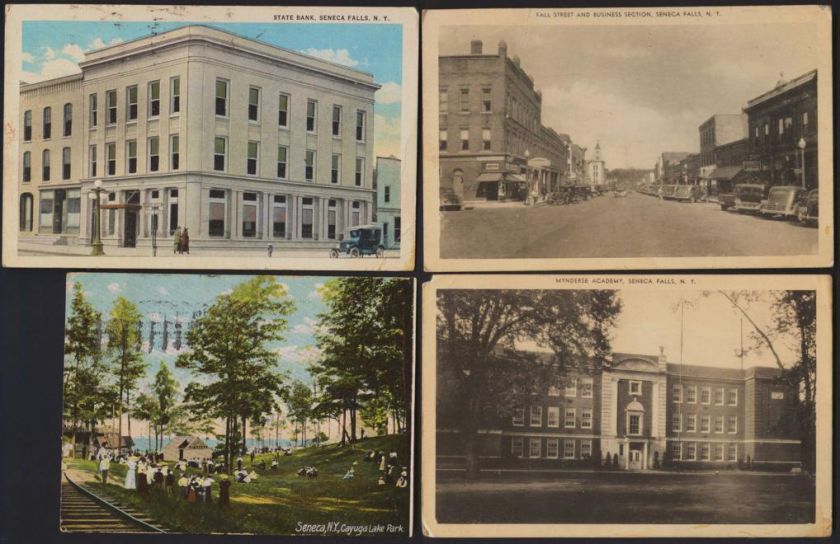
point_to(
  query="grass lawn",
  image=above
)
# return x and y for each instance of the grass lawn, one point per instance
(705, 498)
(278, 501)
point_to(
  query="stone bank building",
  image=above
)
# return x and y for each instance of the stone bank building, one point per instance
(241, 142)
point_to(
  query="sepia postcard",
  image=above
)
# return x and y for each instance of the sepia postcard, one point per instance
(627, 138)
(238, 404)
(210, 137)
(627, 406)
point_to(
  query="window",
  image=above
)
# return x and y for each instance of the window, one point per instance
(553, 416)
(571, 388)
(283, 115)
(336, 120)
(719, 396)
(278, 218)
(218, 212)
(309, 165)
(386, 197)
(68, 119)
(282, 158)
(732, 452)
(568, 449)
(691, 395)
(360, 171)
(45, 165)
(154, 154)
(111, 158)
(173, 210)
(111, 106)
(585, 448)
(804, 119)
(535, 448)
(397, 228)
(174, 152)
(553, 391)
(332, 218)
(691, 423)
(718, 452)
(586, 418)
(92, 161)
(253, 104)
(27, 166)
(131, 156)
(516, 447)
(704, 424)
(174, 95)
(249, 215)
(676, 451)
(704, 451)
(552, 448)
(253, 157)
(444, 101)
(766, 129)
(26, 201)
(464, 100)
(45, 209)
(733, 397)
(221, 98)
(47, 122)
(536, 416)
(335, 169)
(706, 395)
(65, 163)
(465, 140)
(676, 423)
(777, 395)
(154, 98)
(719, 424)
(691, 451)
(361, 121)
(486, 104)
(311, 115)
(732, 425)
(131, 103)
(676, 393)
(586, 388)
(27, 126)
(307, 218)
(443, 136)
(634, 424)
(635, 387)
(781, 126)
(219, 154)
(355, 214)
(518, 416)
(92, 107)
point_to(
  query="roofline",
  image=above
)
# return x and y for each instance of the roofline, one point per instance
(781, 89)
(25, 87)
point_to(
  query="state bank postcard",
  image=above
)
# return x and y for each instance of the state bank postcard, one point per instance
(627, 138)
(627, 406)
(196, 137)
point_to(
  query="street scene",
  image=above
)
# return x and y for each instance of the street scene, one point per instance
(653, 143)
(237, 404)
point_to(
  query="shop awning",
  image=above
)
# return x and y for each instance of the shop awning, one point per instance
(725, 173)
(490, 176)
(515, 177)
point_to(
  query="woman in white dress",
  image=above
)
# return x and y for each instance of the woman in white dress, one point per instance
(130, 482)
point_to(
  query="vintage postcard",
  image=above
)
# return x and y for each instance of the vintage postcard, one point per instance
(210, 137)
(627, 138)
(238, 404)
(627, 406)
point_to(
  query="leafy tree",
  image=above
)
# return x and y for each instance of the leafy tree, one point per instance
(145, 409)
(480, 372)
(166, 408)
(299, 404)
(230, 351)
(124, 345)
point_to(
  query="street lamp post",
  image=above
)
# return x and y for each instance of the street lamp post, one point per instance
(801, 145)
(95, 195)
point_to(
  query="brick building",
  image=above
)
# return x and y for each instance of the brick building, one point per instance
(669, 166)
(638, 408)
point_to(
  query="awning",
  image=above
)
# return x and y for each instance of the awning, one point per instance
(120, 206)
(489, 176)
(725, 173)
(515, 177)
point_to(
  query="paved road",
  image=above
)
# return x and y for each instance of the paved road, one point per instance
(607, 227)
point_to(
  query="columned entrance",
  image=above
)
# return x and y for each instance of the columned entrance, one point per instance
(634, 461)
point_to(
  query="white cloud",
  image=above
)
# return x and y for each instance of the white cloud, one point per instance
(315, 294)
(298, 354)
(390, 93)
(99, 43)
(308, 326)
(339, 56)
(74, 51)
(114, 287)
(49, 53)
(387, 130)
(27, 57)
(51, 69)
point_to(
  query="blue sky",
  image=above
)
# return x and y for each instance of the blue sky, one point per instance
(53, 48)
(172, 296)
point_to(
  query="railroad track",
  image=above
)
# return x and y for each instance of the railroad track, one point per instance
(82, 511)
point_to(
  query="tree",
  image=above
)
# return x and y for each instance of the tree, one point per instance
(124, 346)
(230, 350)
(299, 404)
(145, 409)
(480, 371)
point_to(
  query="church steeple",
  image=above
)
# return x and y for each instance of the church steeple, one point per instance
(597, 151)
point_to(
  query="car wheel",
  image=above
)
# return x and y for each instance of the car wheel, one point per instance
(380, 252)
(355, 252)
(334, 254)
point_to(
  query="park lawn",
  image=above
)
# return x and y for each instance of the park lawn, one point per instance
(278, 500)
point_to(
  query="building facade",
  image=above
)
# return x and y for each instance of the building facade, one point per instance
(643, 412)
(596, 172)
(388, 200)
(242, 143)
(717, 130)
(669, 167)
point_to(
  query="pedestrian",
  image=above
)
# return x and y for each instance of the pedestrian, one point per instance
(224, 492)
(130, 475)
(207, 484)
(183, 483)
(252, 457)
(104, 466)
(185, 241)
(239, 463)
(176, 239)
(142, 477)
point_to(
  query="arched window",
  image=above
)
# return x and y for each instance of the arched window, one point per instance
(45, 165)
(47, 122)
(26, 212)
(27, 166)
(68, 119)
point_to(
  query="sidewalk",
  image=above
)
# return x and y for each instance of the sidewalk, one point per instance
(501, 471)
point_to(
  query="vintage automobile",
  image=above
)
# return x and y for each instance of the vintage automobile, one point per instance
(808, 207)
(449, 200)
(687, 193)
(726, 200)
(782, 201)
(749, 197)
(667, 191)
(619, 192)
(360, 241)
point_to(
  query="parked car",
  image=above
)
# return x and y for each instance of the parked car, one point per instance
(808, 207)
(667, 191)
(782, 201)
(620, 192)
(360, 241)
(726, 200)
(687, 193)
(749, 197)
(449, 200)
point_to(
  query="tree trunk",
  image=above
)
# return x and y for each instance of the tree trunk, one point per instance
(343, 425)
(128, 413)
(244, 435)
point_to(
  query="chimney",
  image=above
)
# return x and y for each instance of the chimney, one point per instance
(475, 47)
(663, 359)
(502, 49)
